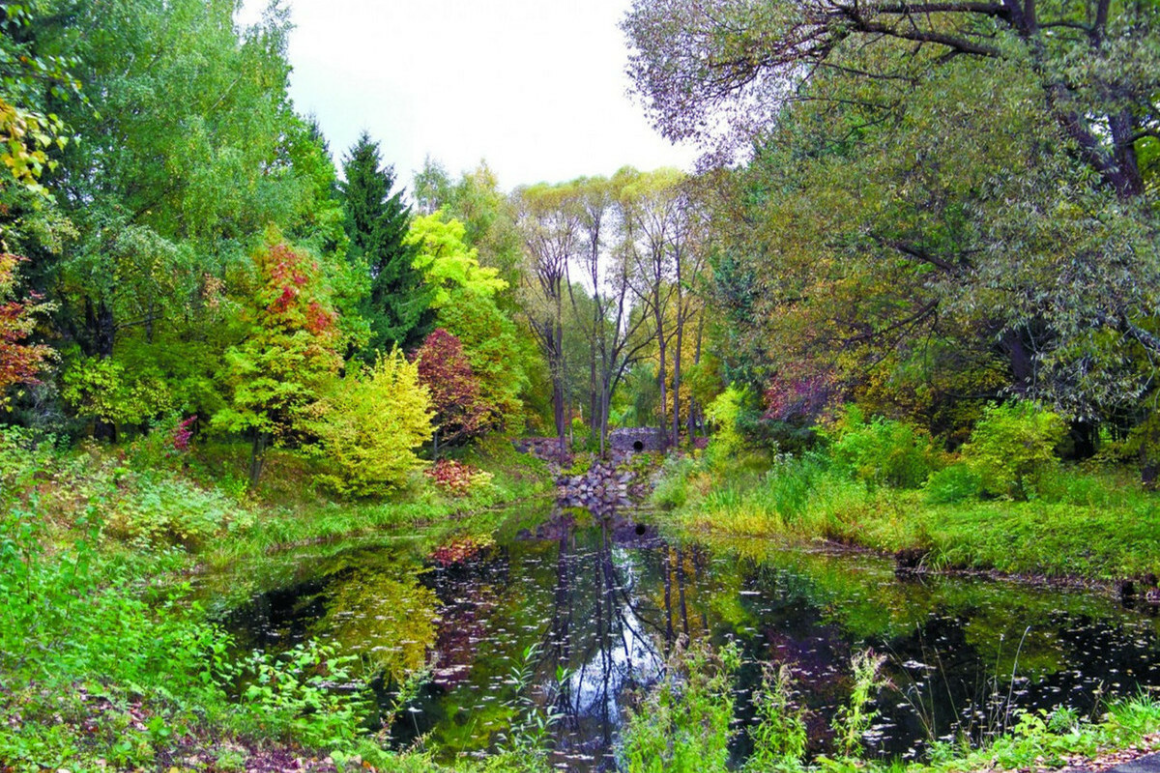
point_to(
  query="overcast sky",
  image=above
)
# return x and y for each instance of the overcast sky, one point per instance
(535, 87)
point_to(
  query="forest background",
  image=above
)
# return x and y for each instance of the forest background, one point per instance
(908, 299)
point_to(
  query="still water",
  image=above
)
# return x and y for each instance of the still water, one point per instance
(603, 602)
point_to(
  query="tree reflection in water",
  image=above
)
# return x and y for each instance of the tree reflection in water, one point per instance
(605, 599)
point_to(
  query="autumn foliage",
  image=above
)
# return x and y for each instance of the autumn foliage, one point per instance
(290, 285)
(456, 478)
(19, 362)
(460, 411)
(290, 353)
(292, 347)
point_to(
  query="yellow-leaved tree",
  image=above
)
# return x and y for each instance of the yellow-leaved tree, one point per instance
(370, 425)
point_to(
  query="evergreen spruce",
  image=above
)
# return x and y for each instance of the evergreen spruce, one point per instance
(397, 307)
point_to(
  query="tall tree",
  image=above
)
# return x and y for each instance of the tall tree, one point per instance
(616, 335)
(1095, 61)
(653, 243)
(460, 414)
(549, 221)
(934, 183)
(377, 221)
(432, 187)
(190, 148)
(448, 264)
(289, 354)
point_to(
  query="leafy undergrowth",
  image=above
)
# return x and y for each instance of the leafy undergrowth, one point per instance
(149, 498)
(102, 671)
(1095, 523)
(292, 513)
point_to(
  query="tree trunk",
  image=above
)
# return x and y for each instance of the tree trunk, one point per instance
(594, 397)
(1022, 367)
(558, 397)
(257, 457)
(693, 409)
(677, 378)
(558, 407)
(662, 376)
(605, 399)
(1149, 463)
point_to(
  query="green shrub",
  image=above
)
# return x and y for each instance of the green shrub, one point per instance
(882, 451)
(23, 453)
(787, 487)
(724, 412)
(956, 483)
(853, 719)
(370, 426)
(292, 694)
(581, 464)
(1012, 447)
(779, 736)
(457, 479)
(156, 508)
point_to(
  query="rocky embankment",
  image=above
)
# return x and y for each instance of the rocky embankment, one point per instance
(601, 489)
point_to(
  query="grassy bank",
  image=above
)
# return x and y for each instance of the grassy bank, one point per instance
(105, 665)
(293, 513)
(1091, 523)
(147, 498)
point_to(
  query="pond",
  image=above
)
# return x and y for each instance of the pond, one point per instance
(595, 607)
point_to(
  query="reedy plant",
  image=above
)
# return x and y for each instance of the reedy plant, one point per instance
(854, 719)
(779, 736)
(524, 747)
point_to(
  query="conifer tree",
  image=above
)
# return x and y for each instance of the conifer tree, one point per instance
(397, 307)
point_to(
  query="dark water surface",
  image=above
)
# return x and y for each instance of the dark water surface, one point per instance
(607, 600)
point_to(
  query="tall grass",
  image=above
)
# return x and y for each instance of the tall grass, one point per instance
(1097, 523)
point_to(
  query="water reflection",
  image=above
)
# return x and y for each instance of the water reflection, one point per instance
(606, 599)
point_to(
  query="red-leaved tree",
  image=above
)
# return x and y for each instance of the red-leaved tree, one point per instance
(19, 362)
(460, 412)
(290, 353)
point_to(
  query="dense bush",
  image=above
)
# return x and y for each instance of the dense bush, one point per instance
(159, 509)
(23, 452)
(956, 483)
(1012, 447)
(882, 451)
(151, 509)
(725, 413)
(370, 425)
(456, 478)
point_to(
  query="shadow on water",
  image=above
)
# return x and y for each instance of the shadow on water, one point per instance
(605, 598)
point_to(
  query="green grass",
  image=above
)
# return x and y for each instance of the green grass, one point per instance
(1090, 523)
